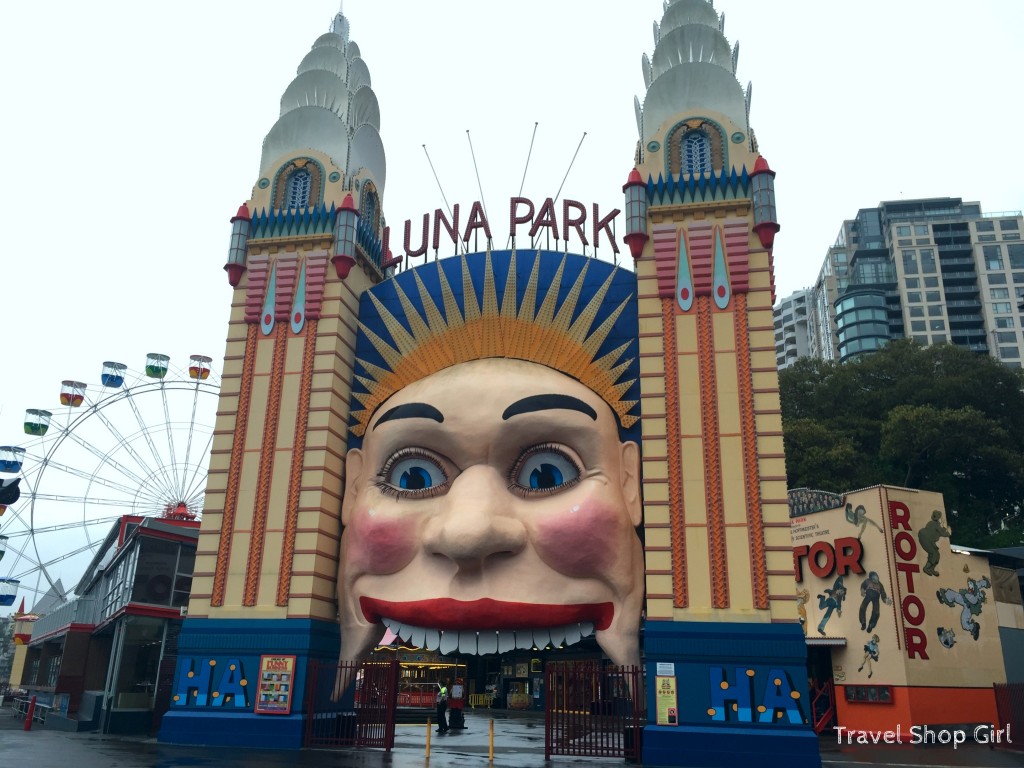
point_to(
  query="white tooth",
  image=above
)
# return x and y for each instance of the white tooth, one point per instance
(432, 639)
(418, 636)
(524, 639)
(467, 643)
(557, 636)
(403, 631)
(392, 624)
(586, 629)
(506, 640)
(449, 642)
(541, 638)
(572, 634)
(487, 642)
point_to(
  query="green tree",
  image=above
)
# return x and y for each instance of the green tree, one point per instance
(936, 418)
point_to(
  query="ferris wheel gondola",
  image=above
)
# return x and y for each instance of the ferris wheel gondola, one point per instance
(136, 444)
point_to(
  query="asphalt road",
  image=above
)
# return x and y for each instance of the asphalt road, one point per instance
(518, 743)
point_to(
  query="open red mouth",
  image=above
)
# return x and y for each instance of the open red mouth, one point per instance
(447, 614)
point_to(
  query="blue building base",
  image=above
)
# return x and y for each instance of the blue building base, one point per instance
(727, 695)
(216, 685)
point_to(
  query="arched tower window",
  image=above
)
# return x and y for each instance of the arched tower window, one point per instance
(697, 153)
(370, 205)
(695, 146)
(299, 185)
(300, 182)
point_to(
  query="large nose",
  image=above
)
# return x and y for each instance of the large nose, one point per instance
(476, 522)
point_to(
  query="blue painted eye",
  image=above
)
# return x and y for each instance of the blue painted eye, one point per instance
(545, 470)
(415, 474)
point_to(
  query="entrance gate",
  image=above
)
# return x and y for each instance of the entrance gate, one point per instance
(364, 716)
(593, 710)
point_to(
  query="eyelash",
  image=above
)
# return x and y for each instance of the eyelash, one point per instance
(400, 493)
(526, 493)
(438, 490)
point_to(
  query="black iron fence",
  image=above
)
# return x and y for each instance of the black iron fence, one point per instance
(593, 710)
(352, 704)
(1010, 703)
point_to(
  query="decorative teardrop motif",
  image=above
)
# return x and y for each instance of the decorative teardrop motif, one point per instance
(298, 316)
(684, 277)
(267, 315)
(720, 286)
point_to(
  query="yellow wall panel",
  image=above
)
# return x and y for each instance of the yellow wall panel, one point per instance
(651, 365)
(257, 413)
(655, 491)
(728, 396)
(654, 405)
(772, 467)
(650, 325)
(741, 589)
(686, 334)
(655, 448)
(652, 345)
(698, 567)
(659, 584)
(724, 324)
(654, 426)
(658, 608)
(657, 514)
(734, 491)
(659, 561)
(655, 470)
(767, 401)
(658, 537)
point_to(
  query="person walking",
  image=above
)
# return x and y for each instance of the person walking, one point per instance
(442, 706)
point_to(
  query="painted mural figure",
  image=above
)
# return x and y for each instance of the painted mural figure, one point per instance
(970, 600)
(493, 502)
(870, 655)
(859, 517)
(831, 601)
(929, 537)
(871, 590)
(803, 596)
(947, 637)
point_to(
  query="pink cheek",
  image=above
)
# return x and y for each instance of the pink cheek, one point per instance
(377, 544)
(582, 540)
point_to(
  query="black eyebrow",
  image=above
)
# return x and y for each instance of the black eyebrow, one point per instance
(411, 411)
(536, 403)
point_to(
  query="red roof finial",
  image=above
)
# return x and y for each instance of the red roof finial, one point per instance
(348, 204)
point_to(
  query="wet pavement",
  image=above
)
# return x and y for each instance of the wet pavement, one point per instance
(518, 743)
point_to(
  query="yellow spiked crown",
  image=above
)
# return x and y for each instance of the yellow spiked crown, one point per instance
(497, 326)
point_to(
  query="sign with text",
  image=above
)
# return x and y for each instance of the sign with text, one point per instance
(277, 682)
(665, 698)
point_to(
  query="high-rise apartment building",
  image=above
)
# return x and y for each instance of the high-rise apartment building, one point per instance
(792, 338)
(937, 270)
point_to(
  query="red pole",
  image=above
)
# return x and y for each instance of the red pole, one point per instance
(30, 713)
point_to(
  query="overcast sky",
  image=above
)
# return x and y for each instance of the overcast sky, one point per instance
(133, 131)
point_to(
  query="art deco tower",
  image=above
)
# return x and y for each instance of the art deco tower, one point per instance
(721, 617)
(304, 247)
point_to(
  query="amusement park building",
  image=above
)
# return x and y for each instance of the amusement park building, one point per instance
(106, 659)
(903, 627)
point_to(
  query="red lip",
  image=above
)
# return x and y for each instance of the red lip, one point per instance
(448, 614)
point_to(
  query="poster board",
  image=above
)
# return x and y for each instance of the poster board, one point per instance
(666, 700)
(276, 685)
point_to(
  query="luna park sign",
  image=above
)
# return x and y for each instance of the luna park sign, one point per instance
(556, 221)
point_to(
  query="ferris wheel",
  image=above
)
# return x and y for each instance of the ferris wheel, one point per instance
(137, 443)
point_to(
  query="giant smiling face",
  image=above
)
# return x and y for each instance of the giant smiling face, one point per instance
(492, 506)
